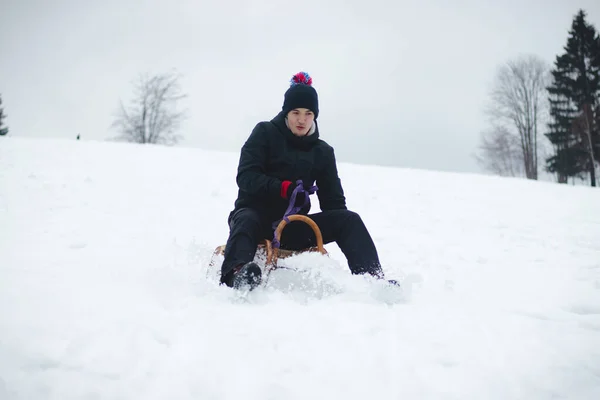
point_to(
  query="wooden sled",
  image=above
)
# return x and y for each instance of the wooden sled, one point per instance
(273, 254)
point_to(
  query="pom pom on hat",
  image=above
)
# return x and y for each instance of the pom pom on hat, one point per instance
(301, 94)
(301, 78)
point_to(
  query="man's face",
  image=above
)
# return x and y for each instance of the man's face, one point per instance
(300, 120)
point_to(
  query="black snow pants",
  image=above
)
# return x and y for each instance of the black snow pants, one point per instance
(344, 227)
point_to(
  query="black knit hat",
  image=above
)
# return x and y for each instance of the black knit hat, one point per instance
(301, 94)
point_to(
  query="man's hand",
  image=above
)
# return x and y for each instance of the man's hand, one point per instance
(287, 188)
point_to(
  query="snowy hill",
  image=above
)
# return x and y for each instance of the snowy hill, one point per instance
(105, 293)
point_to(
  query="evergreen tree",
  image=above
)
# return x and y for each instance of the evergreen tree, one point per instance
(3, 131)
(574, 98)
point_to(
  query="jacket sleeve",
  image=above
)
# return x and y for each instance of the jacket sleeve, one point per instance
(251, 173)
(330, 193)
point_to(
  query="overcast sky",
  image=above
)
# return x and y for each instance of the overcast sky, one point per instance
(400, 82)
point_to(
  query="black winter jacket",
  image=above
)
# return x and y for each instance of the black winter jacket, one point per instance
(273, 154)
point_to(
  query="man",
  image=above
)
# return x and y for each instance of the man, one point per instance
(276, 155)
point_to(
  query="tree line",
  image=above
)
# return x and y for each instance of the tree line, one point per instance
(546, 117)
(540, 117)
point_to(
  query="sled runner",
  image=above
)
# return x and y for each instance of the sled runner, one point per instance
(269, 251)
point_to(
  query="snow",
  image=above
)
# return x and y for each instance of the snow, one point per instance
(105, 291)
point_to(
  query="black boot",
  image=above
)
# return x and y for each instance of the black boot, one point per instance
(244, 276)
(379, 276)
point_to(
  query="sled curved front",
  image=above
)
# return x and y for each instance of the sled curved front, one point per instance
(276, 253)
(273, 253)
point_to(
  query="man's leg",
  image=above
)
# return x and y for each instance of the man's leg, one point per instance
(344, 227)
(246, 231)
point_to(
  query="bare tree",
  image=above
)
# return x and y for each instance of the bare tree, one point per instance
(500, 152)
(152, 116)
(518, 105)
